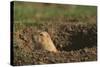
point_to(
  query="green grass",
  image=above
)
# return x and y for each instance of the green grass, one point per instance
(24, 11)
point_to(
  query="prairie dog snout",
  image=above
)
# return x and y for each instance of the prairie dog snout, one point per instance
(45, 42)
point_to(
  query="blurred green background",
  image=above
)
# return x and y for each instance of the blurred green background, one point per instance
(32, 14)
(24, 11)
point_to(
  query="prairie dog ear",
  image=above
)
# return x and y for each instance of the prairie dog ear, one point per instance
(48, 35)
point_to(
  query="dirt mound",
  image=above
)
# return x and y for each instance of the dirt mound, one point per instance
(45, 57)
(75, 42)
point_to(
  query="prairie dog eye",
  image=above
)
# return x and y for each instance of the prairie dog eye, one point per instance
(41, 34)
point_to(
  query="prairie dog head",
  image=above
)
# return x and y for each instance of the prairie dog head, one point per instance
(45, 42)
(44, 36)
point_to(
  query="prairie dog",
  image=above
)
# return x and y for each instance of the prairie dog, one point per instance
(45, 42)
